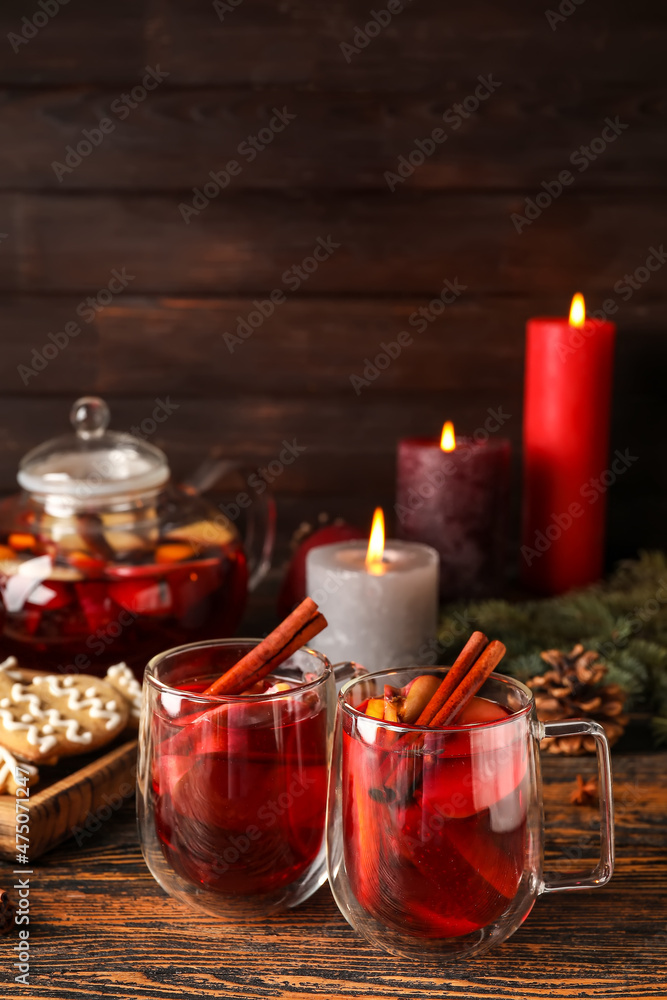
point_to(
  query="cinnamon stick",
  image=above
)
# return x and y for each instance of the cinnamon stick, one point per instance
(470, 684)
(293, 633)
(464, 661)
(472, 669)
(317, 624)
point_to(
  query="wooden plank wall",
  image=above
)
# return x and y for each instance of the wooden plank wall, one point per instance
(322, 177)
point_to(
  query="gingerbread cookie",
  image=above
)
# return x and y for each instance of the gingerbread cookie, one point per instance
(48, 717)
(8, 766)
(129, 688)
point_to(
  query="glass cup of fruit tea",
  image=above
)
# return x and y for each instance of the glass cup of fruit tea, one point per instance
(235, 743)
(435, 806)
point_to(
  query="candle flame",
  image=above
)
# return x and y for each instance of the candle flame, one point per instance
(448, 439)
(578, 311)
(376, 543)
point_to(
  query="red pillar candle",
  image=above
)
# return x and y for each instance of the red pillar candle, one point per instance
(453, 494)
(565, 449)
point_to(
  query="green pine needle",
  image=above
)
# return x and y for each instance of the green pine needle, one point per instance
(659, 727)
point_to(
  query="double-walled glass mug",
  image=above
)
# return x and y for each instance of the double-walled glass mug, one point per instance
(435, 835)
(232, 790)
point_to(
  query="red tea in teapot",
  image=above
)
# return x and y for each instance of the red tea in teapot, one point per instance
(93, 589)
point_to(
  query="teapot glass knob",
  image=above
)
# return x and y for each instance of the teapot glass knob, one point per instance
(90, 417)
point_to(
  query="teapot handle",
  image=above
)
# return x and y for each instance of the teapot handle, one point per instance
(347, 671)
(260, 537)
(260, 534)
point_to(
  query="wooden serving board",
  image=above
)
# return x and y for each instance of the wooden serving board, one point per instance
(75, 797)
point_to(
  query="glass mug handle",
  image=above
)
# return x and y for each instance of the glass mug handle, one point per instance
(344, 672)
(605, 866)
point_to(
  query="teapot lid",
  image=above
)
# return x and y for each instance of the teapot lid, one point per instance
(92, 462)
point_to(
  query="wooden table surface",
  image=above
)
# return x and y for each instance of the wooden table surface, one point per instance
(102, 927)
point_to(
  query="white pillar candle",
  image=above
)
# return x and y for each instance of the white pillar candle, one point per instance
(381, 616)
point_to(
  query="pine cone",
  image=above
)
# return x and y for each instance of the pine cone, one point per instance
(572, 689)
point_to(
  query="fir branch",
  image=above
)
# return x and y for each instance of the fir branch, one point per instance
(659, 727)
(524, 667)
(631, 673)
(623, 619)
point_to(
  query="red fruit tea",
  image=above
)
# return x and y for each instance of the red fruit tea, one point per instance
(97, 596)
(240, 790)
(435, 822)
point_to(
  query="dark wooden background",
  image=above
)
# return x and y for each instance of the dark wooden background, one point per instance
(324, 176)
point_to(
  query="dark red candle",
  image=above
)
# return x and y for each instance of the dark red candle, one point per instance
(566, 450)
(453, 495)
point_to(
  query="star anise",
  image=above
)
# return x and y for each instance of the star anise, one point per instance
(586, 792)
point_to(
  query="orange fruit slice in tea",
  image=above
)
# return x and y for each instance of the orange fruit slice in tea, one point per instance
(480, 710)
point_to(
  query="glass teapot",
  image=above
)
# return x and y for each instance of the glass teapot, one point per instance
(103, 559)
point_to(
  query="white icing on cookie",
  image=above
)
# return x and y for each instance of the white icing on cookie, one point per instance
(8, 765)
(129, 685)
(91, 700)
(40, 722)
(11, 661)
(35, 735)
